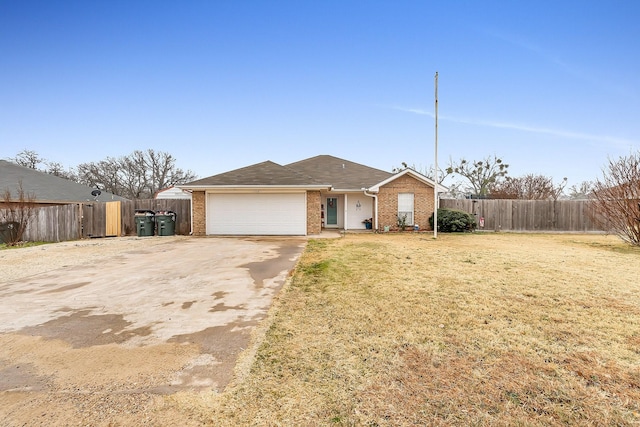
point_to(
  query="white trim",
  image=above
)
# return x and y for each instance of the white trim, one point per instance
(345, 215)
(253, 190)
(272, 188)
(342, 191)
(414, 174)
(375, 209)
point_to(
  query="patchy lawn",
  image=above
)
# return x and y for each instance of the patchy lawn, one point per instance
(474, 329)
(21, 245)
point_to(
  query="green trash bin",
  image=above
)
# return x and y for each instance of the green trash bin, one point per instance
(144, 222)
(166, 223)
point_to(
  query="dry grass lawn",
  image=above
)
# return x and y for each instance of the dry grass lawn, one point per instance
(474, 329)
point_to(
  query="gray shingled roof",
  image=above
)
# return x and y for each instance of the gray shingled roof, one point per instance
(46, 187)
(266, 173)
(320, 170)
(341, 174)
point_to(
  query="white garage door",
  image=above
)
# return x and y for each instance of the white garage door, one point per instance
(257, 214)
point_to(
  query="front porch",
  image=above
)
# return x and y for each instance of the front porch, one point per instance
(346, 211)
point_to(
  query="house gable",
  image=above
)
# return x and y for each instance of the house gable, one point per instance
(418, 176)
(423, 196)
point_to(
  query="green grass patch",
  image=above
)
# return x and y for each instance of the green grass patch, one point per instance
(22, 245)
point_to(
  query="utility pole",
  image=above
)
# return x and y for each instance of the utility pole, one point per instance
(435, 187)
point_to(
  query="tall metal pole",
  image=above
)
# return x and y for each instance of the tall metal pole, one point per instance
(435, 188)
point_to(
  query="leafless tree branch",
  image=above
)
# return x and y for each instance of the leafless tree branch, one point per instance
(616, 198)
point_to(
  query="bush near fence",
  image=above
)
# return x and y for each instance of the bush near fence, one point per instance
(528, 215)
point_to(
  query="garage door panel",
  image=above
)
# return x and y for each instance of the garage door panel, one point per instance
(256, 214)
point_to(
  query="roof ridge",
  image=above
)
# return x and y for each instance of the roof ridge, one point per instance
(340, 159)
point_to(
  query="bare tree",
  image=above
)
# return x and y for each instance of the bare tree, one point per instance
(584, 190)
(528, 187)
(32, 160)
(138, 175)
(28, 159)
(429, 172)
(480, 174)
(16, 213)
(55, 168)
(102, 174)
(616, 198)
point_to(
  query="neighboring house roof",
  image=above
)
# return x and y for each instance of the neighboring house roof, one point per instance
(45, 187)
(259, 175)
(173, 193)
(342, 174)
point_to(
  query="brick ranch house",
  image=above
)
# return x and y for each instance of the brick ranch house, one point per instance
(305, 197)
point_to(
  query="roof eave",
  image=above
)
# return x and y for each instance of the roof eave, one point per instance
(255, 187)
(440, 188)
(348, 190)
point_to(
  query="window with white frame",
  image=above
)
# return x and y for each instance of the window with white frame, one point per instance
(405, 207)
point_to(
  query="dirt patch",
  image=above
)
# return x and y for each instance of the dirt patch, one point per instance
(261, 271)
(52, 383)
(81, 329)
(104, 330)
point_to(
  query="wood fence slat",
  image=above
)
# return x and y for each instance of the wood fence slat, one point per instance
(73, 221)
(95, 215)
(528, 215)
(113, 219)
(54, 224)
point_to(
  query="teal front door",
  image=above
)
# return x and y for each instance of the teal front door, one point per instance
(332, 211)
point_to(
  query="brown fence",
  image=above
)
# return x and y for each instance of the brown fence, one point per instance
(104, 219)
(181, 207)
(55, 224)
(528, 215)
(100, 219)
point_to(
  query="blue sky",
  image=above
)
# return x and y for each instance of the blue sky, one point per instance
(552, 87)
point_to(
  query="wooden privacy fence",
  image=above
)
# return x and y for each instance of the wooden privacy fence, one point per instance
(181, 207)
(528, 215)
(100, 219)
(55, 224)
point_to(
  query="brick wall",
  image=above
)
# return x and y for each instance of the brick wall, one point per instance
(388, 202)
(314, 224)
(198, 201)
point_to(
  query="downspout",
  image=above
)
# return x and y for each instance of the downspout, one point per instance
(346, 212)
(191, 210)
(375, 208)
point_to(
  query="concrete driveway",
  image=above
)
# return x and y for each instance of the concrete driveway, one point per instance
(153, 319)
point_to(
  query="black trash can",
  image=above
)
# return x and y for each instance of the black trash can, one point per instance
(144, 222)
(8, 231)
(166, 223)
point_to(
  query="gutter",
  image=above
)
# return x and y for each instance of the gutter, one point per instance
(375, 208)
(274, 188)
